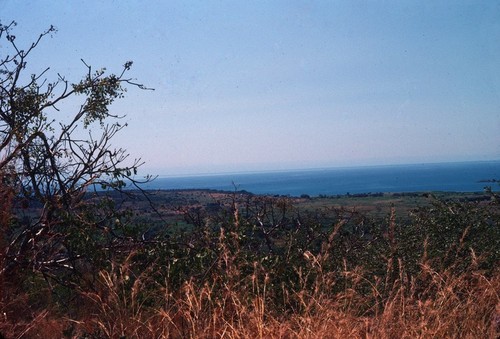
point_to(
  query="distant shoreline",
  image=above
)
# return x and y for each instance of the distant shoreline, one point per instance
(450, 177)
(325, 168)
(480, 195)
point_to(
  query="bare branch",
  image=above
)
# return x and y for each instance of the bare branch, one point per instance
(54, 168)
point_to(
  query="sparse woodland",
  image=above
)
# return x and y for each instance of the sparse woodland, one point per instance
(76, 263)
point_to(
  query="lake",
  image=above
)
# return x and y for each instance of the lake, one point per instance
(450, 177)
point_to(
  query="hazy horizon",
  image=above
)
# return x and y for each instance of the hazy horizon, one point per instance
(258, 86)
(436, 177)
(169, 173)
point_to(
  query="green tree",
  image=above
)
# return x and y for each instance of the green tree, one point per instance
(53, 158)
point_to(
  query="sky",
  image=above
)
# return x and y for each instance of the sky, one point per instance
(274, 85)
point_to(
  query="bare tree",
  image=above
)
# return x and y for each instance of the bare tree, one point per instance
(53, 156)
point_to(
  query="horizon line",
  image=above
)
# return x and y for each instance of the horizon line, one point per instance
(304, 169)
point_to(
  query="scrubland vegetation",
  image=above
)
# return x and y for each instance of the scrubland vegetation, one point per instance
(260, 267)
(78, 262)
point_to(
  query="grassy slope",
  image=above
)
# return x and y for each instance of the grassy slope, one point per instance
(245, 295)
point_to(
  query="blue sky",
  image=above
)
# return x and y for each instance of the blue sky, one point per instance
(264, 85)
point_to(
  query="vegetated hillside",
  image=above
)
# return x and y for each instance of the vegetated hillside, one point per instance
(231, 264)
(194, 265)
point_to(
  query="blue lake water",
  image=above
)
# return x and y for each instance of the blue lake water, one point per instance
(458, 177)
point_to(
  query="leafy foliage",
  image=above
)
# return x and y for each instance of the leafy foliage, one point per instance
(52, 167)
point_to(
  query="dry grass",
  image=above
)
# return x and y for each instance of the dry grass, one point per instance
(466, 306)
(450, 306)
(130, 303)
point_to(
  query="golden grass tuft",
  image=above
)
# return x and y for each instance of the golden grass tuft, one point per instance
(451, 306)
(348, 302)
(466, 306)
